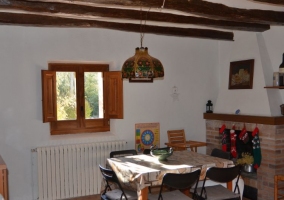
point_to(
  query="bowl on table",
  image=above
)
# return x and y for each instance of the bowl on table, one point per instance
(162, 153)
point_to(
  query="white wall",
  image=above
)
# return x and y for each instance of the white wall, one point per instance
(190, 64)
(266, 49)
(199, 68)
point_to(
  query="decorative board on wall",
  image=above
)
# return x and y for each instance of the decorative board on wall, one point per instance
(146, 135)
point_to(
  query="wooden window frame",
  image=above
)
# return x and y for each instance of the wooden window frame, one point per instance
(112, 92)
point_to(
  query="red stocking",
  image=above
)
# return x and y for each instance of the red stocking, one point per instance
(233, 142)
(222, 131)
(244, 135)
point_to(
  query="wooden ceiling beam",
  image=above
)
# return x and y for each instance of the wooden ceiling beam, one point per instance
(44, 20)
(279, 2)
(88, 10)
(248, 15)
(203, 8)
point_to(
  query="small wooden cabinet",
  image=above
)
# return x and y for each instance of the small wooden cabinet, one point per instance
(3, 179)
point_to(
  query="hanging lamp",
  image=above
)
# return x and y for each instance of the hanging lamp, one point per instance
(142, 67)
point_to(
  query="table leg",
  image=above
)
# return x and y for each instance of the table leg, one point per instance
(143, 194)
(186, 192)
(194, 149)
(230, 185)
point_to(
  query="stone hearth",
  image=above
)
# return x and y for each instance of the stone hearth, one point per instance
(271, 133)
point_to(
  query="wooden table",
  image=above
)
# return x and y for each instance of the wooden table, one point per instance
(189, 144)
(140, 171)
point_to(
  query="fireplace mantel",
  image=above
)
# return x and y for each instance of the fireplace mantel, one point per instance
(278, 120)
(271, 134)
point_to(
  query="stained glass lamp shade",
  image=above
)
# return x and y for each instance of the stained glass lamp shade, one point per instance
(142, 67)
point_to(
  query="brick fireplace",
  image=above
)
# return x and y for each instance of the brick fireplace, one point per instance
(271, 133)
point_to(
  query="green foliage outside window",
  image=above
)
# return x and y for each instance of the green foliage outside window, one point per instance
(91, 95)
(66, 95)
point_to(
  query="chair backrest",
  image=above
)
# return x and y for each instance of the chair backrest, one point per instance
(224, 175)
(277, 193)
(129, 152)
(108, 175)
(180, 181)
(176, 136)
(221, 154)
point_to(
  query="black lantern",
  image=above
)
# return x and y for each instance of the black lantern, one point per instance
(209, 107)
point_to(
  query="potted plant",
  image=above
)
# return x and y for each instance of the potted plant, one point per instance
(247, 161)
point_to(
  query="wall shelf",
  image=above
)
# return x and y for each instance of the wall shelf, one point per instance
(274, 87)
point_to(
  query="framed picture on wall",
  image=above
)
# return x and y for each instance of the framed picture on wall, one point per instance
(241, 74)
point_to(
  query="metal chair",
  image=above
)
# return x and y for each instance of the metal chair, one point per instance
(278, 187)
(177, 182)
(219, 153)
(146, 151)
(218, 192)
(122, 153)
(108, 194)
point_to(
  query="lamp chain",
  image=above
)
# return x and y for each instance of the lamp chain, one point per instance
(142, 27)
(163, 4)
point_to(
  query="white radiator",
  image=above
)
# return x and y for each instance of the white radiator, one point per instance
(72, 170)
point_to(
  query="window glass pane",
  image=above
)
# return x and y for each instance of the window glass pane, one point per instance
(93, 95)
(66, 95)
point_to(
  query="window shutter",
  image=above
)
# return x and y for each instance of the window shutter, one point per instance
(115, 94)
(48, 95)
